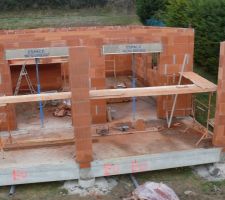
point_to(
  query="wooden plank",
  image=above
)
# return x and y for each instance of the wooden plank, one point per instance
(110, 93)
(35, 97)
(38, 144)
(148, 91)
(50, 142)
(199, 81)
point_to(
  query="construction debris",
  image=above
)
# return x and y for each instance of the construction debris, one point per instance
(211, 172)
(153, 191)
(63, 109)
(102, 187)
(103, 130)
(123, 127)
(140, 125)
(189, 193)
(121, 85)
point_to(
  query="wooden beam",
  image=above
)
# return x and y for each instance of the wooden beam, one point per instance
(148, 91)
(111, 93)
(38, 144)
(198, 80)
(35, 97)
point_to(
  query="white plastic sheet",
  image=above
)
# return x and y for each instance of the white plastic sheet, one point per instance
(154, 191)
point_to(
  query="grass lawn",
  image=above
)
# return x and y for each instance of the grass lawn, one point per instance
(64, 18)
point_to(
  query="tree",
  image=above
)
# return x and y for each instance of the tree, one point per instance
(147, 9)
(27, 4)
(207, 17)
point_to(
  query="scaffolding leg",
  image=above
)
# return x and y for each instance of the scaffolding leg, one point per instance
(209, 110)
(8, 124)
(1, 146)
(206, 134)
(39, 92)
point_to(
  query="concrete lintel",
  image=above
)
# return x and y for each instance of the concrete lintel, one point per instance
(15, 54)
(132, 48)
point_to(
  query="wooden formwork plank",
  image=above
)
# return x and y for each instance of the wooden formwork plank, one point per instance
(38, 144)
(112, 93)
(199, 81)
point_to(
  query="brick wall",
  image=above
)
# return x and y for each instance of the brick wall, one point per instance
(7, 114)
(50, 76)
(176, 42)
(119, 64)
(219, 131)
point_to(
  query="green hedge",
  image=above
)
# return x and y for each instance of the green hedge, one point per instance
(27, 4)
(207, 17)
(147, 9)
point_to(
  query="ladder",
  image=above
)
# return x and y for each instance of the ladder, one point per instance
(23, 73)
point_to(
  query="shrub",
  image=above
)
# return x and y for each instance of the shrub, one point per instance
(26, 4)
(147, 9)
(208, 19)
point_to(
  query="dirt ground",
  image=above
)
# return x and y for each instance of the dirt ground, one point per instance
(182, 180)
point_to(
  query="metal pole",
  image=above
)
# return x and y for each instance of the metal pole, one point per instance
(8, 123)
(39, 92)
(133, 86)
(209, 110)
(12, 190)
(134, 180)
(175, 98)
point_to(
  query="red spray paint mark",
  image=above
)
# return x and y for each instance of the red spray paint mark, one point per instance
(18, 175)
(139, 166)
(110, 169)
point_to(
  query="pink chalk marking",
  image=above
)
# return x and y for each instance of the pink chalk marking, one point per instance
(18, 175)
(139, 166)
(110, 169)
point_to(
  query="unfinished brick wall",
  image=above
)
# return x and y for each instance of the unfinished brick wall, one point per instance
(117, 64)
(50, 77)
(97, 78)
(7, 114)
(219, 131)
(176, 42)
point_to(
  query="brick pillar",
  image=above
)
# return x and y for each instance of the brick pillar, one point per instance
(219, 130)
(6, 114)
(81, 111)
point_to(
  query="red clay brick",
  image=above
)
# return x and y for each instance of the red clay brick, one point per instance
(219, 131)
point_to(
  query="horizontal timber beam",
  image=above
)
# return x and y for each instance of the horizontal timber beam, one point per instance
(148, 91)
(111, 93)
